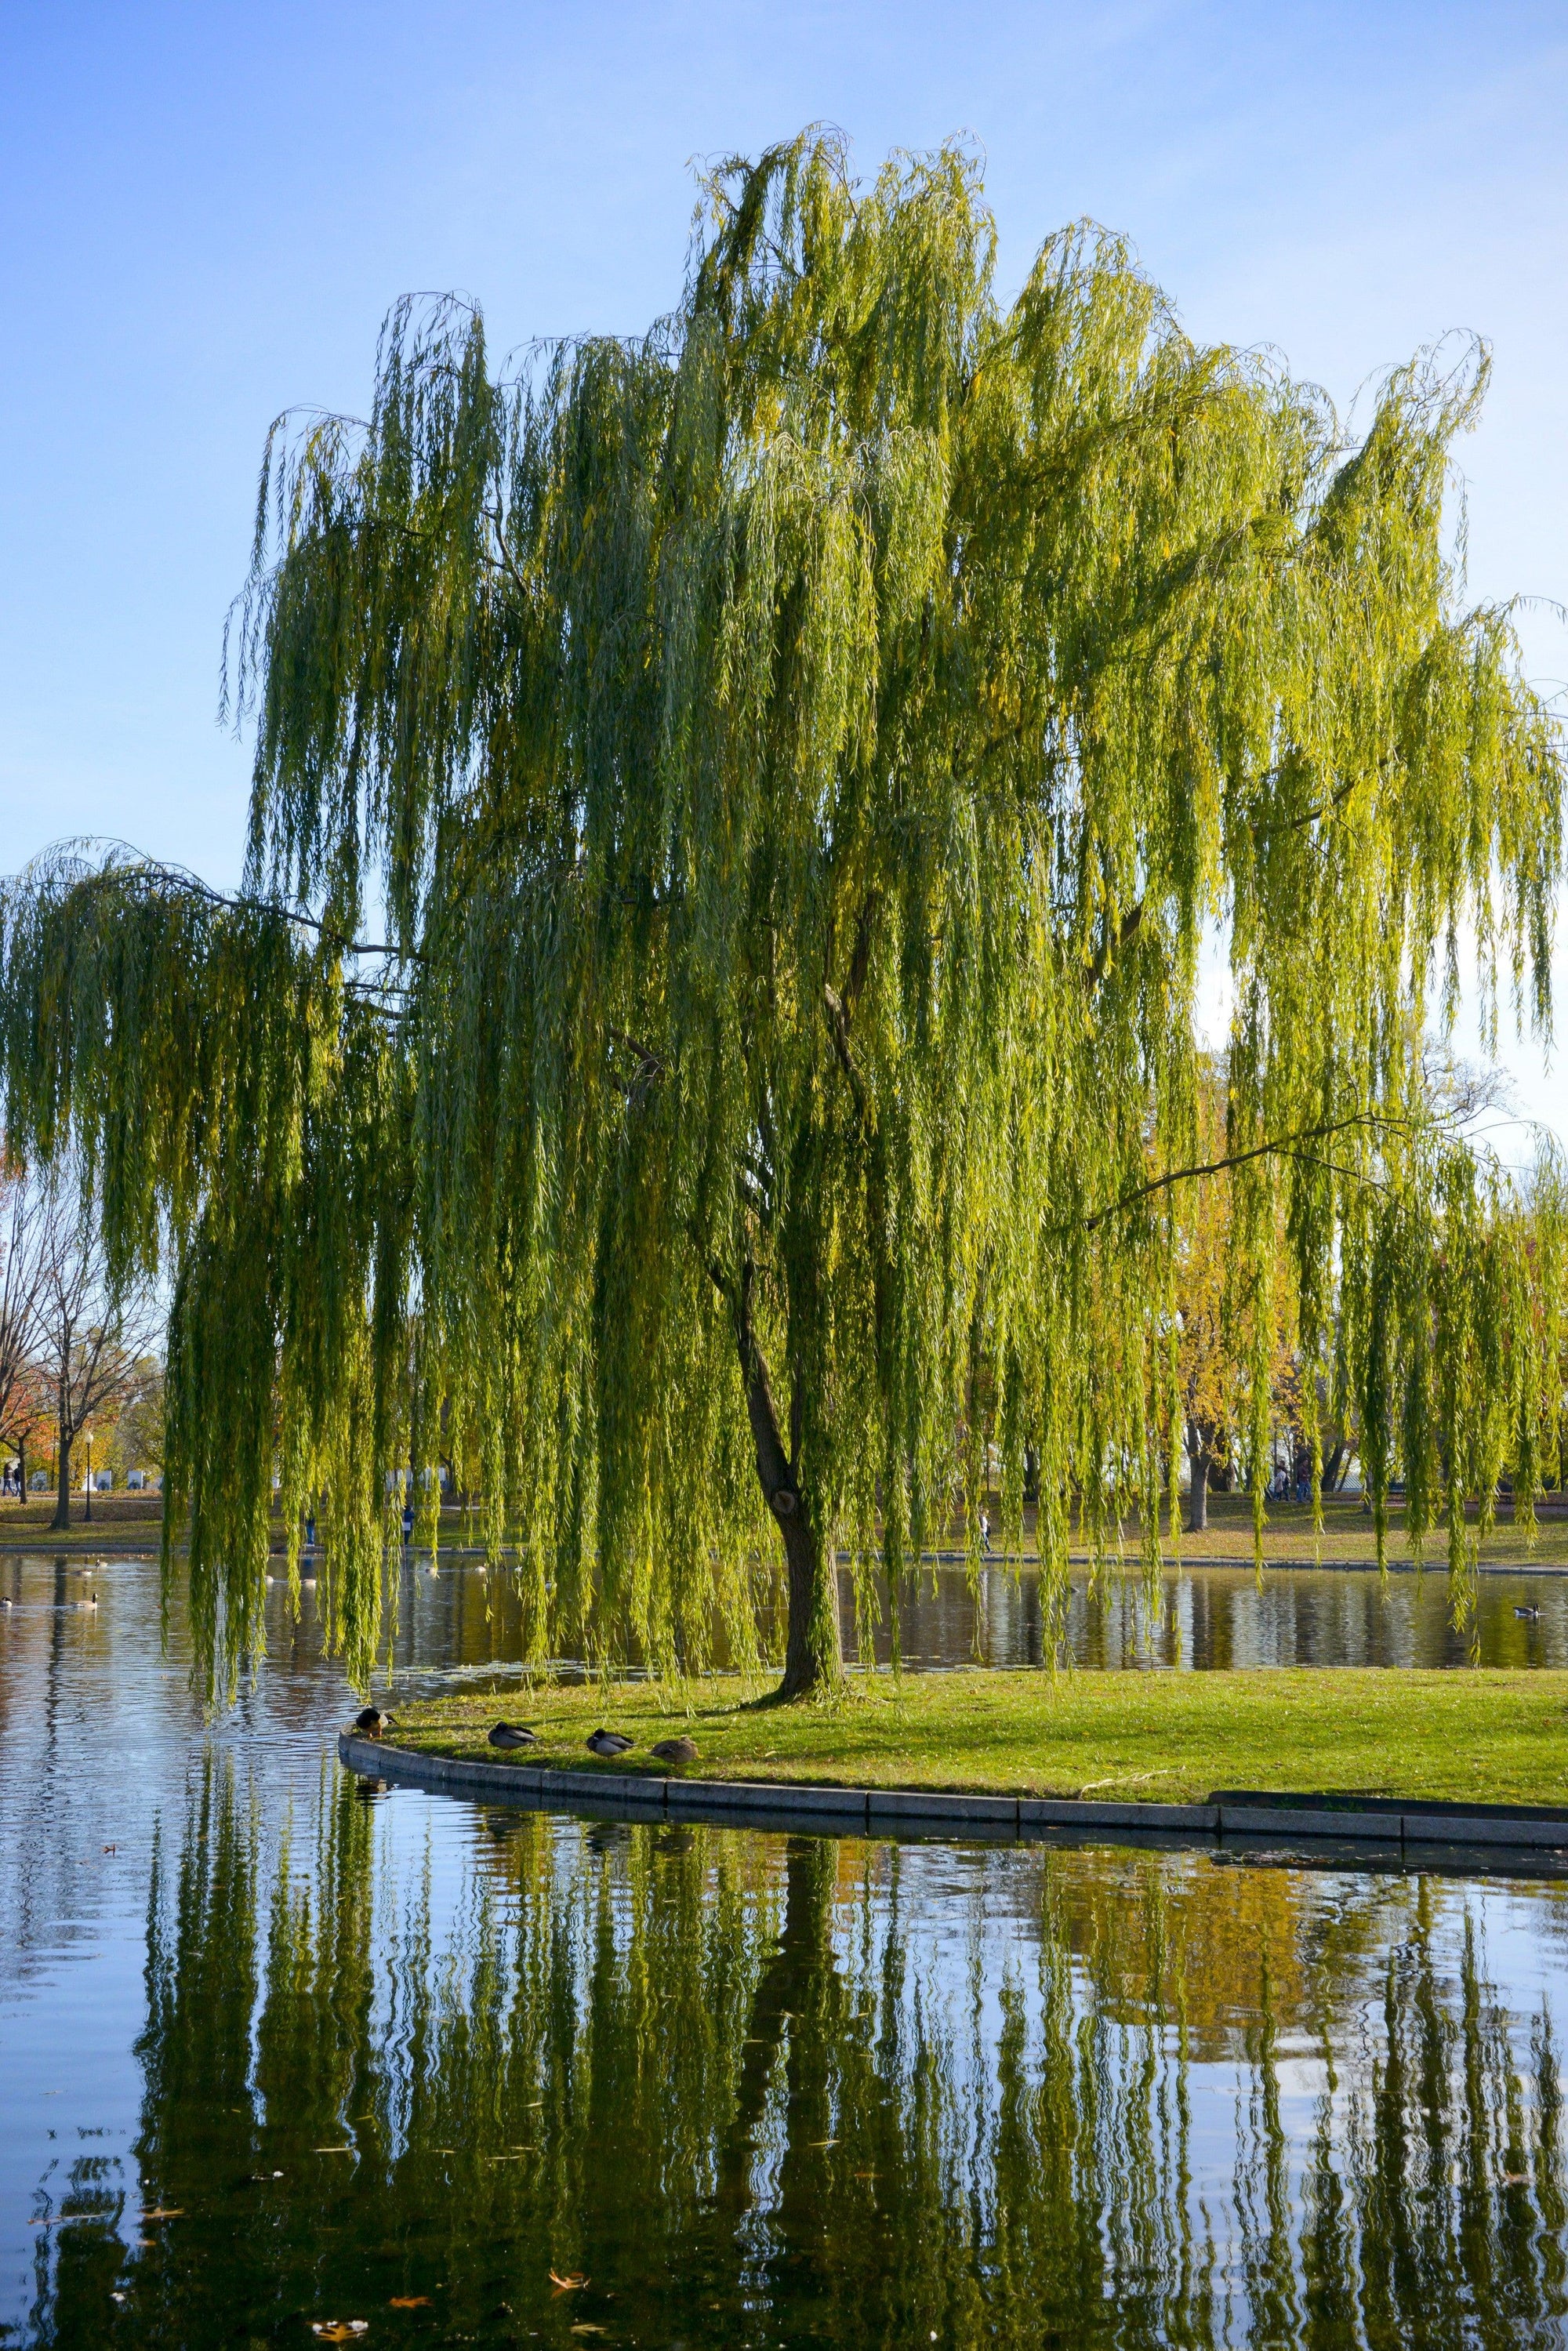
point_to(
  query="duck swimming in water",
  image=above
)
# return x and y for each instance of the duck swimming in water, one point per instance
(676, 1751)
(1531, 1616)
(372, 1722)
(513, 1734)
(608, 1742)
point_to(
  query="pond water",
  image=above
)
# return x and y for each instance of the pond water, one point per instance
(1221, 1616)
(277, 2049)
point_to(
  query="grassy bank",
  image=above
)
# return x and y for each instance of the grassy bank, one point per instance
(133, 1522)
(1484, 1737)
(121, 1524)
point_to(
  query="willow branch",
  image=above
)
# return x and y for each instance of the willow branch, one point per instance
(841, 1009)
(177, 877)
(645, 1053)
(1280, 1146)
(649, 1069)
(839, 1030)
(1325, 808)
(1114, 944)
(494, 519)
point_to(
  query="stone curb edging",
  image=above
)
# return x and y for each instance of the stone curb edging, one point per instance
(893, 1808)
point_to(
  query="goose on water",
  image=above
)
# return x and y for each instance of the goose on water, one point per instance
(676, 1751)
(608, 1742)
(513, 1734)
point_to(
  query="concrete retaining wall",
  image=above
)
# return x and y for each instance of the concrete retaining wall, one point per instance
(924, 1810)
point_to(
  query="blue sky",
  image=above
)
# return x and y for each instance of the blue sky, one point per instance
(207, 208)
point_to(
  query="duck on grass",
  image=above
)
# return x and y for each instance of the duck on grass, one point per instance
(1461, 1735)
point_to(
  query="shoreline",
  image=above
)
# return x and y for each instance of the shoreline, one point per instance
(85, 1539)
(839, 1809)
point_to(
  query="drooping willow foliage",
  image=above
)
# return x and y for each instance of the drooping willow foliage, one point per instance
(798, 758)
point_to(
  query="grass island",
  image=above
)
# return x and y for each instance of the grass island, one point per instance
(1466, 1735)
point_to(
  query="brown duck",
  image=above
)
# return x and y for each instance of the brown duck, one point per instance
(676, 1751)
(372, 1722)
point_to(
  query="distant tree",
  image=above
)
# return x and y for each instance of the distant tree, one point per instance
(25, 1417)
(92, 1333)
(801, 754)
(136, 1440)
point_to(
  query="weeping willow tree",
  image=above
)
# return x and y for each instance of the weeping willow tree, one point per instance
(796, 760)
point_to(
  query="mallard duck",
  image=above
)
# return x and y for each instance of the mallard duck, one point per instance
(370, 1722)
(608, 1742)
(513, 1734)
(676, 1751)
(1529, 1616)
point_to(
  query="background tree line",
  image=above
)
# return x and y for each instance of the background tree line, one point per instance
(78, 1355)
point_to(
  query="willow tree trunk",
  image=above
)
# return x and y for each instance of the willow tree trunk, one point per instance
(813, 1647)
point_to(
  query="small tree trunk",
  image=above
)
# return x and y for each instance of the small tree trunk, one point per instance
(1197, 1514)
(62, 1517)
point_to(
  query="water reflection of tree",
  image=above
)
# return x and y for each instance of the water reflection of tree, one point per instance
(747, 2088)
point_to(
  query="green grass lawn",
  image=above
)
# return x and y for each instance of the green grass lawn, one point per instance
(1488, 1737)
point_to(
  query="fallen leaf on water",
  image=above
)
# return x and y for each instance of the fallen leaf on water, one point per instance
(1516, 2178)
(583, 2328)
(116, 2297)
(569, 2284)
(824, 2142)
(166, 2213)
(335, 2150)
(339, 2330)
(409, 2302)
